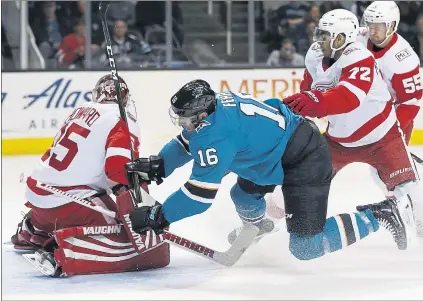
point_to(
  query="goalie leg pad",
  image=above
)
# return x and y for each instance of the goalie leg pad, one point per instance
(71, 214)
(104, 249)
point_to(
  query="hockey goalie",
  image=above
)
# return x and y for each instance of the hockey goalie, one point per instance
(87, 160)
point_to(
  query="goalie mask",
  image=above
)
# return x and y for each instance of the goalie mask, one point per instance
(379, 18)
(105, 90)
(193, 99)
(333, 24)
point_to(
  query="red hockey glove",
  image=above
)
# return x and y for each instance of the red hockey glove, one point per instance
(306, 103)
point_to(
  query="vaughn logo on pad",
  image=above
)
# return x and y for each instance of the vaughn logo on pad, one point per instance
(112, 229)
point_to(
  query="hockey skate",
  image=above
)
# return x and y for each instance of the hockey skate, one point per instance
(27, 237)
(266, 226)
(44, 262)
(396, 217)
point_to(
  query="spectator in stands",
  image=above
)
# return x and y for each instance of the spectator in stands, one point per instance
(49, 30)
(286, 56)
(409, 11)
(151, 14)
(128, 49)
(305, 40)
(72, 49)
(303, 33)
(122, 10)
(314, 14)
(326, 6)
(293, 13)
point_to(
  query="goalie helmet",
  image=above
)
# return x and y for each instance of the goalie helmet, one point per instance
(385, 13)
(334, 23)
(105, 90)
(190, 101)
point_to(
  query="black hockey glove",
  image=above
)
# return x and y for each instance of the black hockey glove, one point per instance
(148, 218)
(149, 169)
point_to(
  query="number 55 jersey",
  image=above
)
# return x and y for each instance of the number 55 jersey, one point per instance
(243, 135)
(90, 149)
(400, 66)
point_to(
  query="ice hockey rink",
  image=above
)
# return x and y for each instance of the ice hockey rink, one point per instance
(370, 269)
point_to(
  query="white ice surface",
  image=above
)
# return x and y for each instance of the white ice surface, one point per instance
(370, 269)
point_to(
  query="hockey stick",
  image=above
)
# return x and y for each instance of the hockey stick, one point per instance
(417, 159)
(227, 258)
(103, 6)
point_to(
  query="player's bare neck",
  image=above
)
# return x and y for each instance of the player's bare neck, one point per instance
(379, 47)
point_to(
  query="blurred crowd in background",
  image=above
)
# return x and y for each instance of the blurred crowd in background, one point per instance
(283, 32)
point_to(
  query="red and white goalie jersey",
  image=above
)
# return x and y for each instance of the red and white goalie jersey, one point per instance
(92, 147)
(400, 67)
(359, 110)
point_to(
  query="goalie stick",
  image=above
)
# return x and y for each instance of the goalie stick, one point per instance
(227, 258)
(103, 7)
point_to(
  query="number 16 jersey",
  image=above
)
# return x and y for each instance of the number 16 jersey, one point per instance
(92, 146)
(244, 136)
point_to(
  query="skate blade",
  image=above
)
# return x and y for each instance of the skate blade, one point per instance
(259, 237)
(407, 215)
(45, 269)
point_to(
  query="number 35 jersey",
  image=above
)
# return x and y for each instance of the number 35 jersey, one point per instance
(92, 147)
(362, 109)
(243, 135)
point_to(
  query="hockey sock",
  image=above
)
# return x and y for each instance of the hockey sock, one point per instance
(250, 207)
(339, 232)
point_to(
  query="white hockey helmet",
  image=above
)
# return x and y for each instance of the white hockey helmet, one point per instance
(334, 23)
(385, 12)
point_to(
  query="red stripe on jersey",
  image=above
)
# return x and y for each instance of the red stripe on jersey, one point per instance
(32, 184)
(340, 100)
(366, 128)
(305, 84)
(119, 137)
(408, 85)
(115, 169)
(360, 74)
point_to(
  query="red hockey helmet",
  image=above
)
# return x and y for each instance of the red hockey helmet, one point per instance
(105, 90)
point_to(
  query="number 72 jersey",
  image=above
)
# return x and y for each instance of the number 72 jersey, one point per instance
(361, 107)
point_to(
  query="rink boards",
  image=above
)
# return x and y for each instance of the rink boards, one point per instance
(34, 104)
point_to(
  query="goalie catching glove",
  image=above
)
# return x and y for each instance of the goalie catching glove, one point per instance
(149, 169)
(148, 218)
(307, 103)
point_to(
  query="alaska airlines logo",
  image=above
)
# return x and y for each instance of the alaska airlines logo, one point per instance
(58, 95)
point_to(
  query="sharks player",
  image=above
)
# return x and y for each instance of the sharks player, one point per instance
(266, 145)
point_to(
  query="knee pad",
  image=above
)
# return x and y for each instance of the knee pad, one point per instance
(306, 247)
